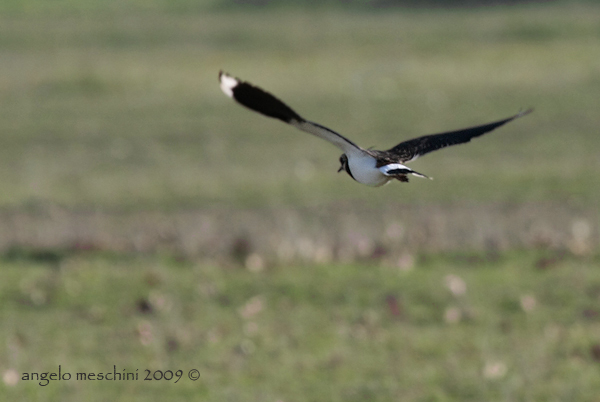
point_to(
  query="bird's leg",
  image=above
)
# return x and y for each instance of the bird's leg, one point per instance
(401, 177)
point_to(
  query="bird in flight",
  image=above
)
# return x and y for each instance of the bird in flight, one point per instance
(367, 166)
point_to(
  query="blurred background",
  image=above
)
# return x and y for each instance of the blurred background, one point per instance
(149, 222)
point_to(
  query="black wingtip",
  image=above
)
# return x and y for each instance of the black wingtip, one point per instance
(256, 98)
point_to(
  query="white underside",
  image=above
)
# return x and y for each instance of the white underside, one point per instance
(364, 170)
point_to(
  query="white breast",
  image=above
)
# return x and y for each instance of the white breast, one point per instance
(364, 170)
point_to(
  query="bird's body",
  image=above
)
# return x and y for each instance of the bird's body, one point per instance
(362, 167)
(367, 166)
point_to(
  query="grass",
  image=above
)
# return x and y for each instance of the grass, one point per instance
(122, 109)
(112, 111)
(457, 327)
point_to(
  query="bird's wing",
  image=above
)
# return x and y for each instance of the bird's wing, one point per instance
(410, 150)
(264, 103)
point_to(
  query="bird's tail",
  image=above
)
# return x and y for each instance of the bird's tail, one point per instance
(399, 169)
(420, 175)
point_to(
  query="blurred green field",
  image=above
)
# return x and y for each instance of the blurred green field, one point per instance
(458, 327)
(121, 109)
(115, 107)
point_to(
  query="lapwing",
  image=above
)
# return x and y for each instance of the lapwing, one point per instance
(367, 166)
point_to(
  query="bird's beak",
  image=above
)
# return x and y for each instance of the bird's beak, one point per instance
(340, 169)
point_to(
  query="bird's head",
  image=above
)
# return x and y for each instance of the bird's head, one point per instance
(343, 163)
